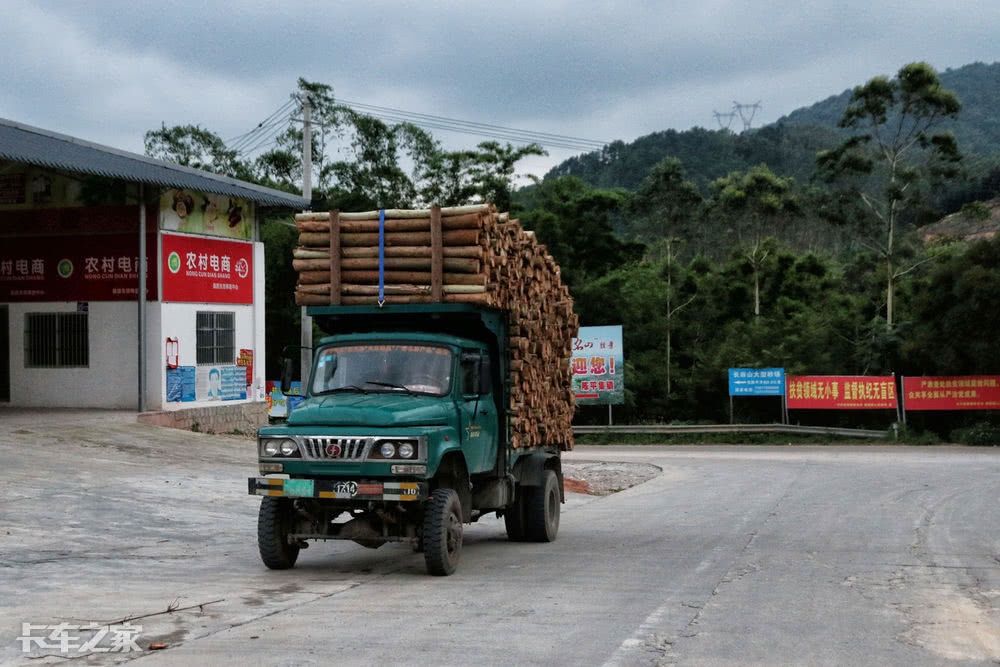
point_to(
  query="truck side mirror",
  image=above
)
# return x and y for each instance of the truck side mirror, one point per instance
(485, 376)
(287, 370)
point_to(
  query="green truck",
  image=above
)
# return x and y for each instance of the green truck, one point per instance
(403, 436)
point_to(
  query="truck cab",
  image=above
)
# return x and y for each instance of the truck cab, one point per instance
(402, 437)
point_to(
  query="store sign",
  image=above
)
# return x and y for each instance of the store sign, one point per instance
(75, 267)
(953, 392)
(200, 213)
(841, 392)
(756, 381)
(246, 360)
(598, 366)
(202, 270)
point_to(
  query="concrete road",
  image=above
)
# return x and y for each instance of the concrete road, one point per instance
(733, 555)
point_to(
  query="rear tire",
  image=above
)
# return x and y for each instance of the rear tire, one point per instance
(542, 509)
(442, 532)
(513, 517)
(274, 523)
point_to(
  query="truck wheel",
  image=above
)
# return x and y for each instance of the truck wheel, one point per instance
(542, 509)
(442, 532)
(513, 517)
(274, 522)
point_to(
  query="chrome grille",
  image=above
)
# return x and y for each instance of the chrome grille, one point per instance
(334, 448)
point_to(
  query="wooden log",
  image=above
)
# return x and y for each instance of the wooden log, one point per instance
(456, 237)
(414, 251)
(411, 277)
(314, 277)
(451, 264)
(310, 253)
(479, 299)
(468, 221)
(395, 214)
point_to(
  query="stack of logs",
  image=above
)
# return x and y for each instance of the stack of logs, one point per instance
(469, 254)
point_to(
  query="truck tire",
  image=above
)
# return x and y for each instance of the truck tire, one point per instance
(513, 517)
(442, 532)
(274, 522)
(541, 517)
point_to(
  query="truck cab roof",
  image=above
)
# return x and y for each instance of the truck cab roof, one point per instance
(414, 336)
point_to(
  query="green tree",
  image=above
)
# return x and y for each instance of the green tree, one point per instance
(667, 205)
(575, 222)
(756, 202)
(892, 149)
(194, 146)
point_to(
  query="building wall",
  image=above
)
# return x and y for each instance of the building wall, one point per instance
(110, 380)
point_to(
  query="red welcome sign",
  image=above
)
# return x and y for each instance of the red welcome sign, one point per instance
(840, 392)
(202, 270)
(952, 392)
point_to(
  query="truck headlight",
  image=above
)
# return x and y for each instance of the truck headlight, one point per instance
(387, 450)
(271, 448)
(405, 450)
(288, 447)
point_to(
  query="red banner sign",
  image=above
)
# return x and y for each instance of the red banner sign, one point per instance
(953, 392)
(202, 270)
(75, 267)
(840, 392)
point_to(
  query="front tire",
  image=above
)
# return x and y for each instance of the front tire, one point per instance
(274, 523)
(442, 532)
(542, 509)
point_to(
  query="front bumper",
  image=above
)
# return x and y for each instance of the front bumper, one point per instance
(338, 489)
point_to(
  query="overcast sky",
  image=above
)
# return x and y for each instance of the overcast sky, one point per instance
(107, 71)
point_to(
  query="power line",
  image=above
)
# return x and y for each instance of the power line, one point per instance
(284, 107)
(240, 143)
(515, 138)
(473, 124)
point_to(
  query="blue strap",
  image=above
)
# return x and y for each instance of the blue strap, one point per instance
(381, 256)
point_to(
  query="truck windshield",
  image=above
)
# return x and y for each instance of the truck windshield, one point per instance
(423, 369)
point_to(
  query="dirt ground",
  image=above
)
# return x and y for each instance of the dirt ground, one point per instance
(600, 478)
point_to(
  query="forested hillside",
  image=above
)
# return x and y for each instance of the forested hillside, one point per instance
(789, 145)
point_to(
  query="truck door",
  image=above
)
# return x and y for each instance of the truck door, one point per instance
(479, 414)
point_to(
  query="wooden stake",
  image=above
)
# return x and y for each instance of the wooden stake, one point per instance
(436, 256)
(334, 258)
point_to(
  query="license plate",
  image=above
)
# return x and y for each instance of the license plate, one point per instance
(300, 487)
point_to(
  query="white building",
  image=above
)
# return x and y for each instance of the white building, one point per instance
(74, 328)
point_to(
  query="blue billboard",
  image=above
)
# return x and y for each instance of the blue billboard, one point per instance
(756, 381)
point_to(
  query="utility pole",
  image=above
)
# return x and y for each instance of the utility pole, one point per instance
(306, 334)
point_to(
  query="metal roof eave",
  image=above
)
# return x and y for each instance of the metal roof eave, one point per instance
(42, 148)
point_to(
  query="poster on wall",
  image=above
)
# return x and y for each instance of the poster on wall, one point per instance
(75, 267)
(33, 187)
(199, 213)
(181, 384)
(245, 359)
(202, 270)
(221, 383)
(598, 366)
(280, 405)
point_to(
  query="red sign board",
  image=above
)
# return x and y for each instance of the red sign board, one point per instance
(953, 392)
(840, 392)
(75, 267)
(203, 270)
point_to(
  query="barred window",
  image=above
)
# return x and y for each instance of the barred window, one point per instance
(216, 338)
(56, 340)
